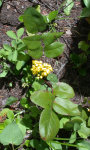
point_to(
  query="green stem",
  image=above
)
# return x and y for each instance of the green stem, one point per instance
(64, 139)
(12, 147)
(67, 144)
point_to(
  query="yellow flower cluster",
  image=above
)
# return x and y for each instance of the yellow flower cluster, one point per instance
(40, 69)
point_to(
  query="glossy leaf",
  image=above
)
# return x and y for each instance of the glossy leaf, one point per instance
(11, 135)
(48, 125)
(77, 119)
(87, 3)
(42, 98)
(63, 90)
(63, 121)
(68, 7)
(19, 64)
(1, 1)
(3, 74)
(65, 107)
(55, 145)
(51, 16)
(53, 50)
(84, 132)
(33, 20)
(72, 137)
(84, 145)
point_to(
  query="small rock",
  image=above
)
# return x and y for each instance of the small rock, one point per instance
(8, 6)
(68, 32)
(22, 7)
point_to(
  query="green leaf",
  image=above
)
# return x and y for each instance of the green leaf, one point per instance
(34, 111)
(63, 90)
(14, 44)
(89, 121)
(42, 98)
(49, 37)
(20, 64)
(11, 100)
(2, 126)
(63, 121)
(21, 47)
(1, 1)
(22, 128)
(65, 107)
(72, 137)
(14, 55)
(68, 7)
(52, 15)
(22, 56)
(7, 47)
(11, 135)
(20, 32)
(83, 45)
(32, 38)
(52, 78)
(36, 53)
(3, 74)
(55, 145)
(24, 103)
(53, 50)
(36, 86)
(84, 145)
(4, 111)
(7, 112)
(33, 20)
(85, 12)
(77, 119)
(38, 144)
(20, 18)
(84, 132)
(32, 44)
(48, 125)
(84, 115)
(10, 115)
(87, 3)
(11, 34)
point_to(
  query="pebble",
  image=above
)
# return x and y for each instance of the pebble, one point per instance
(68, 32)
(22, 7)
(8, 6)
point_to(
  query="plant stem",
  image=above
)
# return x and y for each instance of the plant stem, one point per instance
(12, 147)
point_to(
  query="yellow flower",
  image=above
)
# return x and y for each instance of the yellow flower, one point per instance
(40, 69)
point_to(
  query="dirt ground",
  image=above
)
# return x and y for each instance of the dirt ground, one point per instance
(74, 30)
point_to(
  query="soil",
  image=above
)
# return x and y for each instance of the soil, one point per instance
(74, 30)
